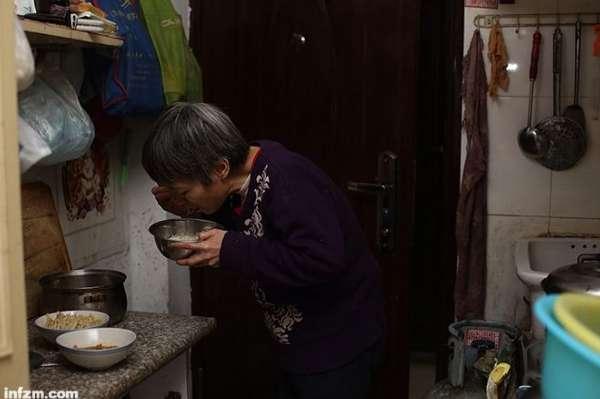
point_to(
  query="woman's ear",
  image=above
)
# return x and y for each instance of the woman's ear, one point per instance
(222, 170)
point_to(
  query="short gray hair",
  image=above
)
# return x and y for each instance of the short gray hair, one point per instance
(188, 141)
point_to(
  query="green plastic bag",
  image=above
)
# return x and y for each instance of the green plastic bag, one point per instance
(181, 74)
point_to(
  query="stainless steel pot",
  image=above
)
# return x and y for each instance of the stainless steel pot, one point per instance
(581, 277)
(85, 289)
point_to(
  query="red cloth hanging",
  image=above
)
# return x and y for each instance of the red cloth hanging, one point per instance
(471, 229)
(597, 41)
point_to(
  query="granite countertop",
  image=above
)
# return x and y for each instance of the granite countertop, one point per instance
(160, 338)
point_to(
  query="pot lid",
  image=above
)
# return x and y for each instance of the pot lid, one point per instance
(582, 277)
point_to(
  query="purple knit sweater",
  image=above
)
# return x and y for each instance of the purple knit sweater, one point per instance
(300, 244)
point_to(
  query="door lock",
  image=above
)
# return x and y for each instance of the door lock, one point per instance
(386, 190)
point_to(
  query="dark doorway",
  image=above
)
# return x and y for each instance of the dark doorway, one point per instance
(340, 82)
(438, 168)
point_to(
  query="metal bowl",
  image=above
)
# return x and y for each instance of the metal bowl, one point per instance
(164, 231)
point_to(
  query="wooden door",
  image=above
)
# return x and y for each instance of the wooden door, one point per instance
(336, 80)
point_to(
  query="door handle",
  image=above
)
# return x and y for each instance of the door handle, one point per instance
(386, 190)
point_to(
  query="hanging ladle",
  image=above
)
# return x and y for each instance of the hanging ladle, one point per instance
(533, 143)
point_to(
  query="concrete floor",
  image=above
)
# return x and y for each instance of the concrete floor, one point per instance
(422, 374)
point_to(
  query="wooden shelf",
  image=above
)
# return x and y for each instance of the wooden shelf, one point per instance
(47, 33)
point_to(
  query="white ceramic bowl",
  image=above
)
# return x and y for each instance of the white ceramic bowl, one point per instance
(96, 359)
(51, 333)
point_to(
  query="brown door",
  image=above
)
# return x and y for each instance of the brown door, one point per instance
(335, 80)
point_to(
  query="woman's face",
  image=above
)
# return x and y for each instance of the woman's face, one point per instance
(206, 199)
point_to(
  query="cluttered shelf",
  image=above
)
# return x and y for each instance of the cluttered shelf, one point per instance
(48, 33)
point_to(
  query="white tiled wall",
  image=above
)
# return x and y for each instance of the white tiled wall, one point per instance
(524, 198)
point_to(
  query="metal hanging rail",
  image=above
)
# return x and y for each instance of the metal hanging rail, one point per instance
(535, 20)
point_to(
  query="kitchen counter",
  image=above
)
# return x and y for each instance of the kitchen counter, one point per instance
(160, 339)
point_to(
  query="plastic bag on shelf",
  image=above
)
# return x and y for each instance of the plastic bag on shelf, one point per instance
(51, 107)
(32, 148)
(24, 7)
(24, 62)
(132, 82)
(181, 74)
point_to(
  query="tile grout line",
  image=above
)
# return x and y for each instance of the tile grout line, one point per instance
(550, 203)
(538, 96)
(597, 219)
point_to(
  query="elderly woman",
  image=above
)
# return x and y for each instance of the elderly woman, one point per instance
(291, 232)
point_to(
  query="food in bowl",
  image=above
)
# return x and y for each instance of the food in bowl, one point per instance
(90, 349)
(168, 232)
(183, 237)
(99, 346)
(71, 321)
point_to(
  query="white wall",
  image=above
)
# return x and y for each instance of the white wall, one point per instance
(153, 284)
(122, 243)
(156, 285)
(526, 199)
